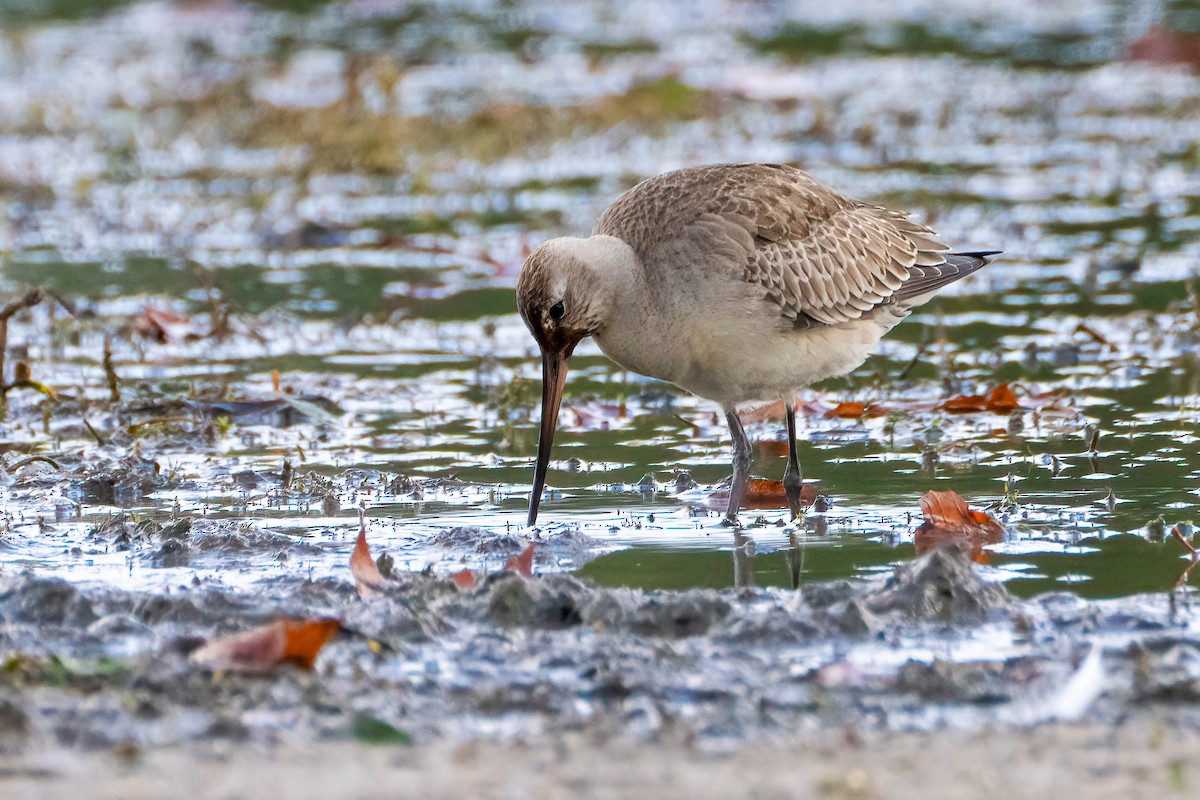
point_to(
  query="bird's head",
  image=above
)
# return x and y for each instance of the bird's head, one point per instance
(559, 294)
(563, 299)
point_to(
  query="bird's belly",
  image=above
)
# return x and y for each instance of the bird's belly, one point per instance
(729, 359)
(773, 364)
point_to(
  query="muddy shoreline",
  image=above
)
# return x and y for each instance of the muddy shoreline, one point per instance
(536, 661)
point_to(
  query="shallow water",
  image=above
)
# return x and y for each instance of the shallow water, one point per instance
(358, 189)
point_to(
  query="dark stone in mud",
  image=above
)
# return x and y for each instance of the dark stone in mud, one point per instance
(45, 601)
(552, 601)
(941, 586)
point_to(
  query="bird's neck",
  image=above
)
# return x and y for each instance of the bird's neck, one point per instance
(632, 315)
(617, 278)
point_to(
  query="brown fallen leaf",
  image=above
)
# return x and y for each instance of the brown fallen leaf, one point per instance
(522, 564)
(366, 573)
(1002, 400)
(950, 522)
(765, 494)
(1163, 45)
(464, 579)
(857, 410)
(847, 411)
(965, 404)
(263, 649)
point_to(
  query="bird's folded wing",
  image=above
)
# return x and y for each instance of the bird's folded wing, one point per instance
(823, 258)
(837, 268)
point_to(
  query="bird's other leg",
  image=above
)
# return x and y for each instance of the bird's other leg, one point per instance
(742, 456)
(793, 480)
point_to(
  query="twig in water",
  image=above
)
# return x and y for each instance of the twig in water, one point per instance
(110, 374)
(922, 346)
(24, 462)
(95, 433)
(30, 299)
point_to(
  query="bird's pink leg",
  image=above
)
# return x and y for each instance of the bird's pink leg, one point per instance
(743, 455)
(793, 480)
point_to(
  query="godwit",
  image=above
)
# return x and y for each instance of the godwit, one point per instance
(740, 283)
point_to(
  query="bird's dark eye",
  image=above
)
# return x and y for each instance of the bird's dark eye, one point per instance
(557, 310)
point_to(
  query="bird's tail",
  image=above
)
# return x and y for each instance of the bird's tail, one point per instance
(924, 281)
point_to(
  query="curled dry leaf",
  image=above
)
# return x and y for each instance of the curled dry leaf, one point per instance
(366, 573)
(522, 564)
(856, 410)
(950, 522)
(263, 649)
(1000, 400)
(848, 411)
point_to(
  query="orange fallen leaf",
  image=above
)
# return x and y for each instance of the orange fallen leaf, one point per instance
(848, 411)
(949, 521)
(464, 579)
(763, 494)
(1002, 400)
(263, 649)
(965, 404)
(1162, 45)
(857, 410)
(522, 564)
(366, 573)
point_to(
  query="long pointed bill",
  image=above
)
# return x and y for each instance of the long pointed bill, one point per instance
(554, 378)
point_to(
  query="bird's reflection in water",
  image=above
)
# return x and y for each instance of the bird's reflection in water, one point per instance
(743, 559)
(744, 549)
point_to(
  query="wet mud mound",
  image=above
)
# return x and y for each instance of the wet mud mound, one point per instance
(930, 645)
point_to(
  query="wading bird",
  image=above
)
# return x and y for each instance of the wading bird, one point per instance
(740, 283)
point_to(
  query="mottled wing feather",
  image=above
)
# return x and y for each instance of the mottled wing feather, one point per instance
(821, 257)
(842, 266)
